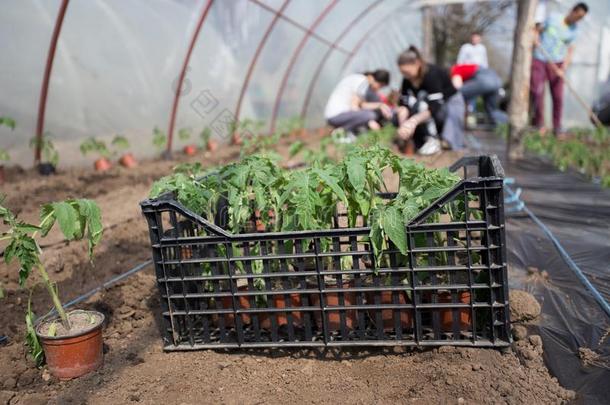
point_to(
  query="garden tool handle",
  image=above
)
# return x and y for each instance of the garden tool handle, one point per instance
(584, 104)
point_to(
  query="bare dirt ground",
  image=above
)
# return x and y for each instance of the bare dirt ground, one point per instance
(136, 370)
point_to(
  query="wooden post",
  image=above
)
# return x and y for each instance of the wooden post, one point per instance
(520, 77)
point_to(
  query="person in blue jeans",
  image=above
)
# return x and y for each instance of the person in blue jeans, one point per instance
(474, 81)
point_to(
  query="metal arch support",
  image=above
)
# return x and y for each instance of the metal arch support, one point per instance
(44, 88)
(367, 35)
(298, 25)
(316, 75)
(293, 59)
(259, 48)
(172, 120)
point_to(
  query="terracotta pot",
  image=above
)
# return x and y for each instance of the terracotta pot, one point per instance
(279, 301)
(74, 355)
(236, 139)
(446, 315)
(387, 315)
(187, 252)
(211, 145)
(102, 164)
(244, 303)
(46, 169)
(2, 177)
(408, 148)
(334, 317)
(128, 161)
(189, 150)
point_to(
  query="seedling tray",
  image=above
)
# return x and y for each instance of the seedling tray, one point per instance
(327, 287)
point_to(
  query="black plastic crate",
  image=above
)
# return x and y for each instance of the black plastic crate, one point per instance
(323, 287)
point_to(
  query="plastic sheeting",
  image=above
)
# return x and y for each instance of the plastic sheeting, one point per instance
(578, 214)
(118, 63)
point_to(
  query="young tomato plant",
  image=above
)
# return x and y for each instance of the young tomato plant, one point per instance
(95, 146)
(159, 139)
(77, 219)
(4, 156)
(8, 122)
(49, 153)
(120, 143)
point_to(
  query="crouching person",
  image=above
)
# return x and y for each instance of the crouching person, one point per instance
(430, 109)
(348, 107)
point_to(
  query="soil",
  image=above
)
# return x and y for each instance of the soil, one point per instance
(523, 306)
(137, 370)
(80, 321)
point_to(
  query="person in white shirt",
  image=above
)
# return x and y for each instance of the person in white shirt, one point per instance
(348, 107)
(473, 53)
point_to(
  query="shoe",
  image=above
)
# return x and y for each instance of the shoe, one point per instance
(340, 135)
(431, 147)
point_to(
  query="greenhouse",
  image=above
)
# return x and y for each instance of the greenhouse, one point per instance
(223, 201)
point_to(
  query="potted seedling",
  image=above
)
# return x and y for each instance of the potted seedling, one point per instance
(50, 155)
(99, 148)
(71, 341)
(185, 134)
(121, 144)
(159, 141)
(206, 138)
(236, 138)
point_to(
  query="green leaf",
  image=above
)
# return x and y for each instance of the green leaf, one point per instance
(47, 219)
(120, 142)
(356, 172)
(331, 182)
(394, 226)
(8, 122)
(31, 339)
(184, 134)
(295, 148)
(67, 218)
(52, 329)
(4, 155)
(91, 215)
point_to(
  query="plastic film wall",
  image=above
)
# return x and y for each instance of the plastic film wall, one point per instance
(118, 64)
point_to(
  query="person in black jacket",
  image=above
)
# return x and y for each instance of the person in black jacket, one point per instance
(431, 106)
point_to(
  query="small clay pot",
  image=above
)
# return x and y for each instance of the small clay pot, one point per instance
(190, 150)
(128, 161)
(46, 169)
(211, 145)
(334, 317)
(187, 252)
(102, 164)
(387, 315)
(243, 303)
(75, 354)
(279, 301)
(446, 314)
(260, 225)
(408, 148)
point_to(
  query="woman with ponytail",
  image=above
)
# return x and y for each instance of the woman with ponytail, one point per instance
(431, 107)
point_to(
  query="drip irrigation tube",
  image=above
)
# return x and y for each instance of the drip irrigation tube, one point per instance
(520, 206)
(565, 256)
(106, 284)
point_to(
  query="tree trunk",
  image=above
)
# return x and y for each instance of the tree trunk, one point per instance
(427, 34)
(520, 77)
